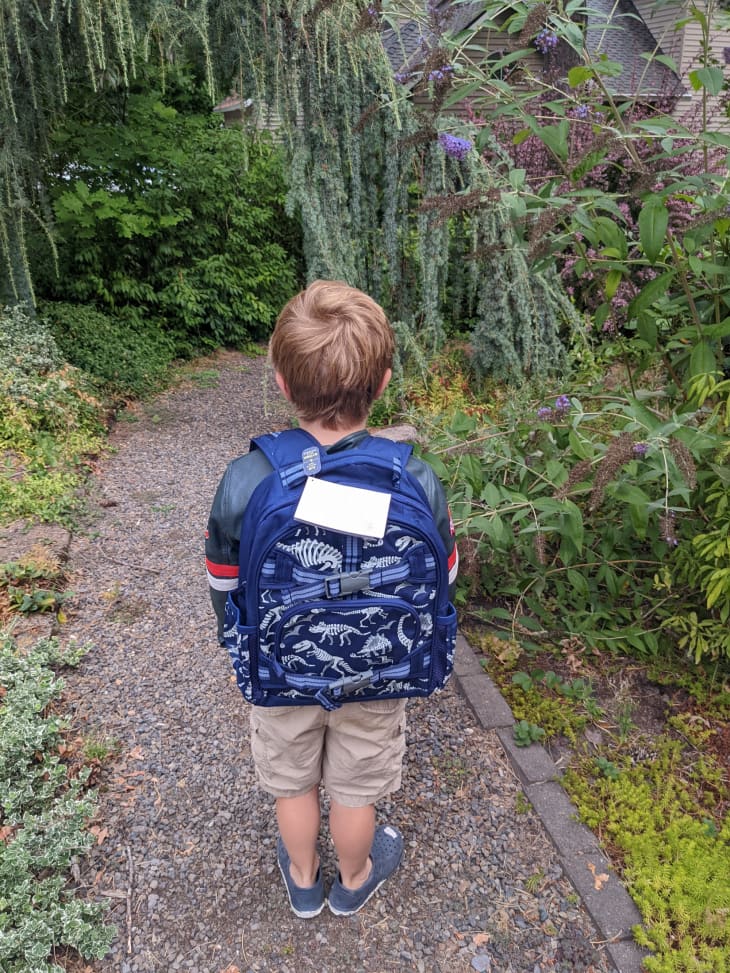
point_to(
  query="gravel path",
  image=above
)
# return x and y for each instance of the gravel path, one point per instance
(186, 841)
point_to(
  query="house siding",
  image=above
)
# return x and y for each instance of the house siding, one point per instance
(661, 21)
(483, 43)
(685, 46)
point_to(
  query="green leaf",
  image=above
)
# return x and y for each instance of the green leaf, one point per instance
(647, 330)
(631, 494)
(462, 423)
(601, 314)
(491, 495)
(460, 92)
(496, 531)
(663, 59)
(529, 623)
(711, 78)
(702, 360)
(555, 137)
(613, 279)
(653, 221)
(611, 69)
(611, 235)
(650, 293)
(581, 448)
(517, 178)
(579, 74)
(578, 583)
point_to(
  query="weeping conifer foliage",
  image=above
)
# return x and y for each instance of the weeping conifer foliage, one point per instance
(383, 205)
(44, 46)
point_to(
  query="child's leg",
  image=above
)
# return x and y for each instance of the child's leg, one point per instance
(298, 819)
(352, 830)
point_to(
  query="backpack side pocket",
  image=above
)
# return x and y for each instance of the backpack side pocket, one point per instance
(444, 645)
(237, 638)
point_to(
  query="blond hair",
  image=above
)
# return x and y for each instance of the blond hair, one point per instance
(332, 345)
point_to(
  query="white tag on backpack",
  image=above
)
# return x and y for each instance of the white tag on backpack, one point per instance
(344, 509)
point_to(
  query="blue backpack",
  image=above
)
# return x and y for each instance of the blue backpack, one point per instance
(326, 617)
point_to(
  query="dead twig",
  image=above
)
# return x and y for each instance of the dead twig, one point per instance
(130, 885)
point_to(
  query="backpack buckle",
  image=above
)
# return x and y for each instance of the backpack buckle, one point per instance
(346, 584)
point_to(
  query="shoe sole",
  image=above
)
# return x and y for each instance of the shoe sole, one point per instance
(299, 913)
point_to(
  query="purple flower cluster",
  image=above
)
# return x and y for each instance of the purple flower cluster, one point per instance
(440, 74)
(546, 40)
(641, 449)
(580, 111)
(557, 412)
(402, 77)
(454, 146)
(726, 55)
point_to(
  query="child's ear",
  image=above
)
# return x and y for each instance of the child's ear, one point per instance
(384, 382)
(283, 387)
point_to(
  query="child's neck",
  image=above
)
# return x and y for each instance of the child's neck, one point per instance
(328, 437)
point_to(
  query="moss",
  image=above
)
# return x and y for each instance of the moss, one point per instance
(556, 716)
(674, 854)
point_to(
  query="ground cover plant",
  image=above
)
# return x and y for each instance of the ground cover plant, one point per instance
(45, 808)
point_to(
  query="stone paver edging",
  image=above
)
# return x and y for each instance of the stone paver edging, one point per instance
(607, 901)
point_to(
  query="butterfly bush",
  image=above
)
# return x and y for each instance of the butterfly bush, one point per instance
(455, 147)
(581, 268)
(546, 40)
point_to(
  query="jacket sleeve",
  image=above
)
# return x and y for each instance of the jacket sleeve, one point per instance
(221, 551)
(222, 537)
(437, 500)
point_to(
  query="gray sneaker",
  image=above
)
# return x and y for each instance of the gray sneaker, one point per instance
(306, 903)
(385, 854)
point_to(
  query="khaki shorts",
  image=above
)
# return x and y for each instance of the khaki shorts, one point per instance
(356, 751)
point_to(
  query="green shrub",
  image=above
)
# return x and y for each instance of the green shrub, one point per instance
(50, 422)
(576, 519)
(169, 217)
(129, 357)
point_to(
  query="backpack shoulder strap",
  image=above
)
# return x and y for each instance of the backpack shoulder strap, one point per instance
(387, 449)
(296, 454)
(293, 453)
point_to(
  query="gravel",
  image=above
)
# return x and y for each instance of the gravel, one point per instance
(186, 852)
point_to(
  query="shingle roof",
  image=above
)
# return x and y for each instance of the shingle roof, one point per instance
(403, 46)
(624, 42)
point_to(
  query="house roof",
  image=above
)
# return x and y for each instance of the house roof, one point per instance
(405, 45)
(231, 103)
(625, 42)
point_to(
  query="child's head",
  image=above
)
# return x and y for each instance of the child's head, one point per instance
(333, 347)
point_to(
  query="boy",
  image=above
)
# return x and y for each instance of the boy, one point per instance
(332, 351)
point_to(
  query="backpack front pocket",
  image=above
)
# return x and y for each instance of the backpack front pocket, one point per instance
(332, 643)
